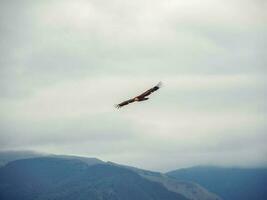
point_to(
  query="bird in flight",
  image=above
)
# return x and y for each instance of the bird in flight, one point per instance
(141, 97)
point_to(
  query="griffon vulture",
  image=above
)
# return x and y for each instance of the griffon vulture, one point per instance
(141, 97)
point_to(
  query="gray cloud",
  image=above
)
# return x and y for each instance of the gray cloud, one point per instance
(65, 63)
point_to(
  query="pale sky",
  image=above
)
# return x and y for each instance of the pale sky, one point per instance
(64, 64)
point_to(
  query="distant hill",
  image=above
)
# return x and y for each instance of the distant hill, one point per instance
(89, 161)
(72, 179)
(229, 183)
(8, 156)
(190, 190)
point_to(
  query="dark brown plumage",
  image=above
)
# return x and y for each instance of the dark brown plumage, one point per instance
(141, 97)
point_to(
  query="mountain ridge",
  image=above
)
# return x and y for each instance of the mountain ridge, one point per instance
(194, 183)
(60, 178)
(187, 190)
(230, 183)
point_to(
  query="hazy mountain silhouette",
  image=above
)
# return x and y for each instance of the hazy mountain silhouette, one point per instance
(48, 176)
(188, 189)
(60, 178)
(73, 177)
(8, 156)
(229, 183)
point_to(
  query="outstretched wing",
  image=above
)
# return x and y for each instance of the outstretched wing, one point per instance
(151, 90)
(125, 103)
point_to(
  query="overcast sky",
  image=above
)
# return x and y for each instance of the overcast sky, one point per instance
(64, 64)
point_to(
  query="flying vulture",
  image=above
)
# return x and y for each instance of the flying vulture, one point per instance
(141, 97)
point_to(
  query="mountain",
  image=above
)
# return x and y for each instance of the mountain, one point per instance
(8, 156)
(89, 161)
(190, 190)
(229, 183)
(64, 178)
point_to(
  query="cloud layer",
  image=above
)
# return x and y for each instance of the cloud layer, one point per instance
(64, 65)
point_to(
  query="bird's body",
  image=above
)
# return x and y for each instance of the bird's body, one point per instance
(141, 97)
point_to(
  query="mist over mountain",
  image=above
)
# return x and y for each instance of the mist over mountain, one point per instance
(7, 156)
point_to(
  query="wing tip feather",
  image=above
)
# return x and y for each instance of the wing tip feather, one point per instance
(117, 106)
(159, 85)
